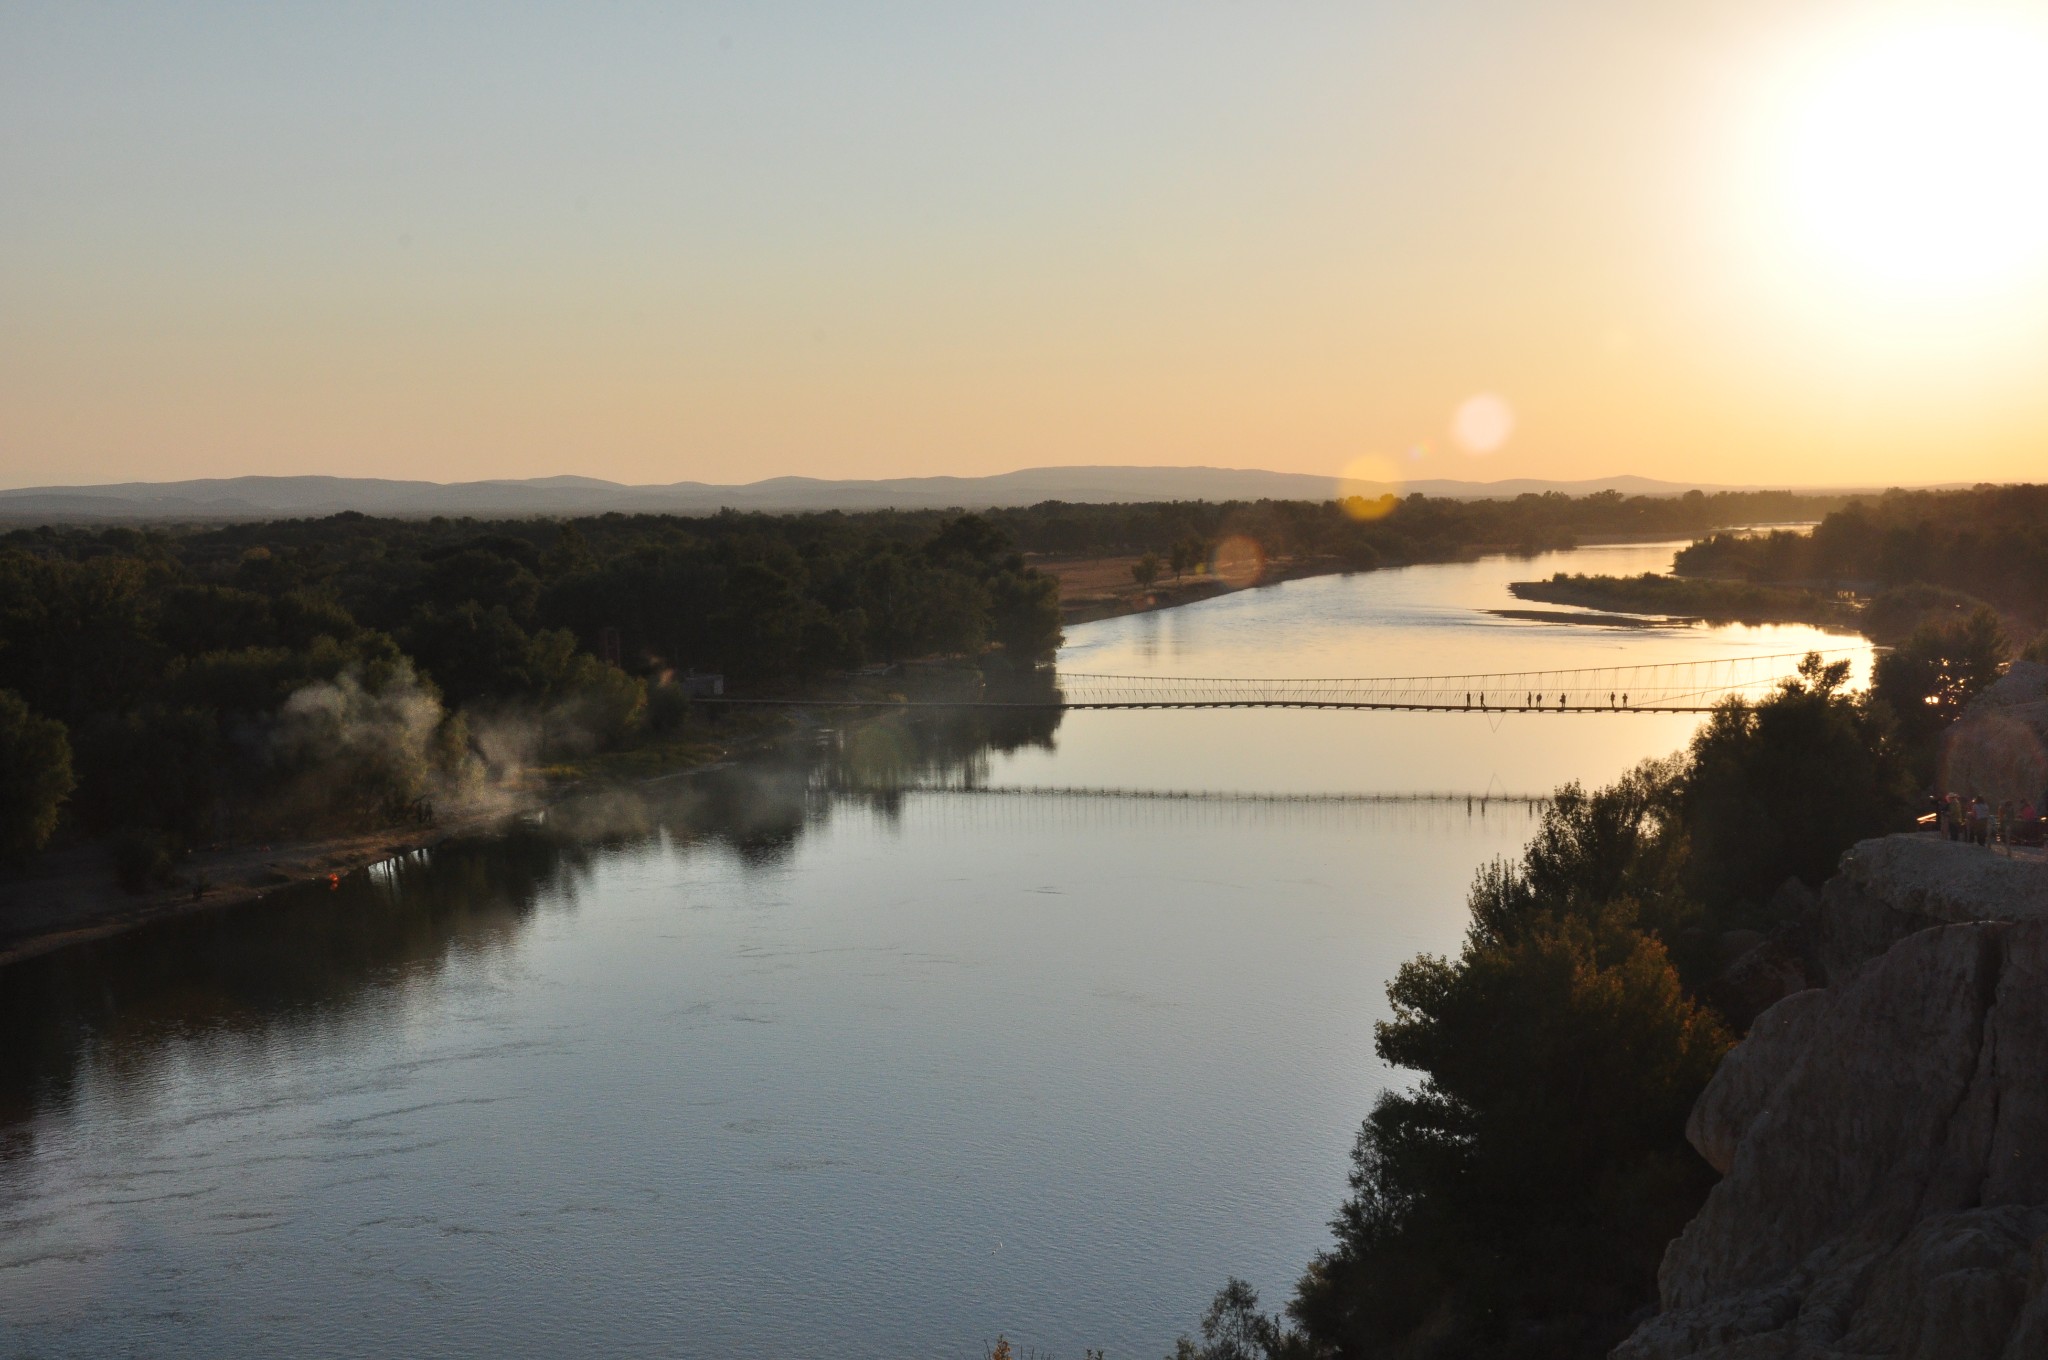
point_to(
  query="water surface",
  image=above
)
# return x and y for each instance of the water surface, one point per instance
(755, 1065)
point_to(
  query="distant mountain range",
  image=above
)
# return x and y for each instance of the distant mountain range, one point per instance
(233, 498)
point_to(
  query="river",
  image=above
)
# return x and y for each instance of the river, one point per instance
(797, 1060)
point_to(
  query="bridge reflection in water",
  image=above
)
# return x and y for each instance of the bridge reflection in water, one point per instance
(1089, 808)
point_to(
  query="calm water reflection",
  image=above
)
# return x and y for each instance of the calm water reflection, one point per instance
(787, 1060)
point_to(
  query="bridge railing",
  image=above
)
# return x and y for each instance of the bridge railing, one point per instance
(1667, 686)
(1657, 687)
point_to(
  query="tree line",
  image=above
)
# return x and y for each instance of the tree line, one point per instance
(177, 688)
(1395, 530)
(180, 685)
(1989, 543)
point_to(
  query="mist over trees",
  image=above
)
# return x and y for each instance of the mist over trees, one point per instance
(171, 689)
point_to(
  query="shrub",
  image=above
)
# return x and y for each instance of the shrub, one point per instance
(35, 778)
(144, 859)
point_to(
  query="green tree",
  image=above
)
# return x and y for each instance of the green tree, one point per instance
(35, 778)
(595, 706)
(1146, 570)
(1024, 615)
(1590, 849)
(1235, 1329)
(474, 653)
(487, 577)
(1517, 1201)
(570, 554)
(761, 627)
(156, 767)
(915, 605)
(1779, 788)
(1929, 679)
(970, 539)
(76, 638)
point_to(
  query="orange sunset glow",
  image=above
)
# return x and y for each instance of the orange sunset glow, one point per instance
(1718, 242)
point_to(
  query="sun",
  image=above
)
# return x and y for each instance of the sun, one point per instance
(1916, 159)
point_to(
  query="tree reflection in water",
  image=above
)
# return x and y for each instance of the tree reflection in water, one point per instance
(310, 957)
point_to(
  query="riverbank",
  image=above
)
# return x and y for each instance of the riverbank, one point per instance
(73, 896)
(1097, 588)
(1093, 588)
(1693, 598)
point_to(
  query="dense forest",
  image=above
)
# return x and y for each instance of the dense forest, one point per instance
(177, 689)
(175, 686)
(1989, 543)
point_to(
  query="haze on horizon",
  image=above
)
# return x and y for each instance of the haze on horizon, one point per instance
(1733, 241)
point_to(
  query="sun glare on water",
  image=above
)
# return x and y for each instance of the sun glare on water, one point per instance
(1915, 158)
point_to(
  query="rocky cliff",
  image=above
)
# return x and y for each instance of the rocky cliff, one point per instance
(1884, 1140)
(1891, 888)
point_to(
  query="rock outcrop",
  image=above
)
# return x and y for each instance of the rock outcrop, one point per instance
(1896, 886)
(1884, 1141)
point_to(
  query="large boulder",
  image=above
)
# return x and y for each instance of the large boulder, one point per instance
(1750, 1075)
(1885, 1144)
(1760, 977)
(1895, 886)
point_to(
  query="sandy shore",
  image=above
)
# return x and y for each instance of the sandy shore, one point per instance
(1094, 588)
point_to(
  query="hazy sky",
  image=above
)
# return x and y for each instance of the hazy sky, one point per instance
(1723, 240)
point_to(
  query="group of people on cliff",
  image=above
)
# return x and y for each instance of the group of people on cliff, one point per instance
(1976, 821)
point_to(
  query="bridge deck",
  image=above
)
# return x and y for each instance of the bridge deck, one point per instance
(1655, 687)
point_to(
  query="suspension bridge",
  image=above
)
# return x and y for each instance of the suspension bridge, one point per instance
(1654, 687)
(1249, 798)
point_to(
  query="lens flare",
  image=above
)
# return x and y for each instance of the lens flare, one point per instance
(1482, 423)
(1238, 561)
(1996, 756)
(1368, 486)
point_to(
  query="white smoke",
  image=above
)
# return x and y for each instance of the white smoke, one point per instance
(368, 751)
